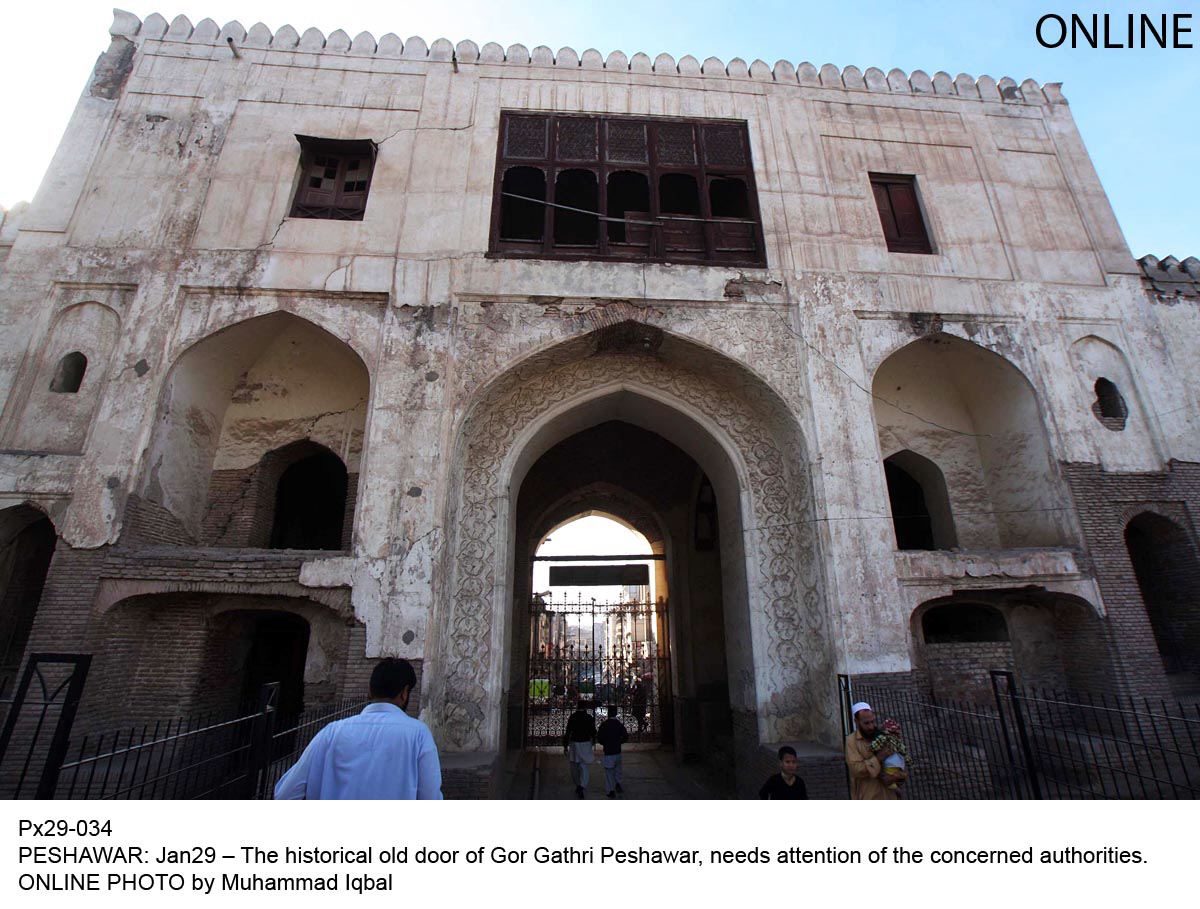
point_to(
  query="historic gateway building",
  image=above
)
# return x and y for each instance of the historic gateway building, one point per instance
(309, 342)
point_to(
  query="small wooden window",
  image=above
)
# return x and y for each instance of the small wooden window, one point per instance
(571, 186)
(900, 213)
(68, 374)
(335, 176)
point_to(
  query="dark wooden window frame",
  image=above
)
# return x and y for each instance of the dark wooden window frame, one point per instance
(339, 204)
(656, 248)
(898, 192)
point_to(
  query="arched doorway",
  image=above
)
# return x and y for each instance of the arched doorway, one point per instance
(1168, 575)
(777, 665)
(597, 623)
(309, 499)
(679, 621)
(27, 541)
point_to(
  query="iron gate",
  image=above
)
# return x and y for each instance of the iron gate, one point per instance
(605, 655)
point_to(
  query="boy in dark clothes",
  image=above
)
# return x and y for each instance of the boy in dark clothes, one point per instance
(612, 734)
(784, 784)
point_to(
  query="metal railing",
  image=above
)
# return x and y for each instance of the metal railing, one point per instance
(1031, 744)
(201, 757)
(287, 743)
(196, 758)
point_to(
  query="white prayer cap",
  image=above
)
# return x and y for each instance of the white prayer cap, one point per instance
(861, 705)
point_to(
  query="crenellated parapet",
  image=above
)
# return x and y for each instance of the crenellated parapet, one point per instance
(1170, 280)
(287, 38)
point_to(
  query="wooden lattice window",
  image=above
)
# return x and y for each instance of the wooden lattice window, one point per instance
(900, 213)
(335, 176)
(587, 187)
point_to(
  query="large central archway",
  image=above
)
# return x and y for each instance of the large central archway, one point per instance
(747, 443)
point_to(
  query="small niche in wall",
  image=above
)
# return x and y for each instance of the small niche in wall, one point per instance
(1109, 407)
(68, 375)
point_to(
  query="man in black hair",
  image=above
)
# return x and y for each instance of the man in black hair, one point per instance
(382, 753)
(784, 784)
(578, 742)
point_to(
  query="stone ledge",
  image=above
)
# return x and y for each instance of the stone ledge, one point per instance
(1008, 564)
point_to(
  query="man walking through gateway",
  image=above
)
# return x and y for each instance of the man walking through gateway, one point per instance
(382, 753)
(611, 735)
(578, 744)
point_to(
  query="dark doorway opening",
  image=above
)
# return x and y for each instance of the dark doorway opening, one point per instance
(310, 504)
(910, 514)
(1168, 575)
(24, 563)
(278, 650)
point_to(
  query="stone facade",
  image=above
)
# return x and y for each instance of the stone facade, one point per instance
(227, 342)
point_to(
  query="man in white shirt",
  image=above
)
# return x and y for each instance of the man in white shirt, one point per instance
(382, 753)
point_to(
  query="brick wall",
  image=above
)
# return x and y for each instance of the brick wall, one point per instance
(233, 516)
(149, 522)
(470, 776)
(960, 671)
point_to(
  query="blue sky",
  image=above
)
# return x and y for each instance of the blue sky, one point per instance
(1135, 108)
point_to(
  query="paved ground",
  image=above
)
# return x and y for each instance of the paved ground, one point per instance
(648, 774)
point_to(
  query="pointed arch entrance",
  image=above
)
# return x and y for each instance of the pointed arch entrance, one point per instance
(745, 441)
(597, 631)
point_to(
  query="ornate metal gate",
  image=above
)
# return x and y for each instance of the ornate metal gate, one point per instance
(604, 654)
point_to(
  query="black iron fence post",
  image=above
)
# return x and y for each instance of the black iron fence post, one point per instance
(261, 730)
(1011, 698)
(845, 701)
(62, 730)
(68, 705)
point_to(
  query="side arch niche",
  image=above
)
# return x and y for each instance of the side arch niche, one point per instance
(68, 381)
(231, 406)
(744, 439)
(1116, 421)
(976, 417)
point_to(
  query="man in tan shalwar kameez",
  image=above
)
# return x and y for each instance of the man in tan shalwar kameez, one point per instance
(864, 764)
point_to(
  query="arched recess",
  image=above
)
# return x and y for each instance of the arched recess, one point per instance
(187, 653)
(82, 335)
(1052, 641)
(920, 504)
(27, 542)
(1120, 429)
(1167, 569)
(977, 417)
(238, 395)
(746, 441)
